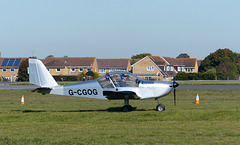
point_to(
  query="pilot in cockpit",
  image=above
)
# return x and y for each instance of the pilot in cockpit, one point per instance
(122, 82)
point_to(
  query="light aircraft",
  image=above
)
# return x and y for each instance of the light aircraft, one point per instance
(113, 85)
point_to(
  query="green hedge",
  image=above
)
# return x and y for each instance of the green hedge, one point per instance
(66, 78)
(196, 76)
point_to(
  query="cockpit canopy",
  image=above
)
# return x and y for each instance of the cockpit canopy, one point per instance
(119, 79)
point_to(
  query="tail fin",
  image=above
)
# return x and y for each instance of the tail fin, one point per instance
(39, 75)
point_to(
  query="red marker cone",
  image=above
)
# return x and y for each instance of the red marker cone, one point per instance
(197, 99)
(22, 100)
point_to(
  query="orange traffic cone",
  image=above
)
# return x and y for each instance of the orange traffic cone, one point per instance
(197, 99)
(22, 100)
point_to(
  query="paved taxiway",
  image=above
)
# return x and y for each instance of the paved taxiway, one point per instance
(208, 87)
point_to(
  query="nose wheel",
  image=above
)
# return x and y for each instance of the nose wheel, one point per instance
(160, 107)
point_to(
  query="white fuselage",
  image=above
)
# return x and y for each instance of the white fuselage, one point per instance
(89, 89)
(92, 89)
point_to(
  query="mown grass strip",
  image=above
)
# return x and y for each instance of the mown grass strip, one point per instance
(52, 119)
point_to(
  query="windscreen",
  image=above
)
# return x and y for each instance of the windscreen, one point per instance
(119, 79)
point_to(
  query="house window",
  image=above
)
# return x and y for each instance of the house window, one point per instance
(113, 69)
(12, 69)
(80, 69)
(150, 68)
(58, 69)
(148, 78)
(73, 69)
(4, 69)
(189, 70)
(170, 68)
(180, 69)
(102, 70)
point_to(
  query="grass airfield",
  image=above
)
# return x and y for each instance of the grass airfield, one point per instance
(52, 119)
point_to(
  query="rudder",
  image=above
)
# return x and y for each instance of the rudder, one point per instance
(39, 75)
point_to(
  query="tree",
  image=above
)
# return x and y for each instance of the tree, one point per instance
(90, 73)
(50, 56)
(23, 71)
(140, 56)
(81, 76)
(225, 63)
(227, 70)
(238, 63)
(95, 75)
(183, 55)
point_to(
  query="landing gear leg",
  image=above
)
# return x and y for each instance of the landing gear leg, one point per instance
(127, 107)
(160, 107)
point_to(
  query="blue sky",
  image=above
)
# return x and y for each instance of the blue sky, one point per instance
(118, 28)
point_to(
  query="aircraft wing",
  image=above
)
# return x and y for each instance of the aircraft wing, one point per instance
(112, 95)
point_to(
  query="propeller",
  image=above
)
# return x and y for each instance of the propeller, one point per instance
(175, 84)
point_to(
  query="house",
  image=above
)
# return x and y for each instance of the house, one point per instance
(9, 67)
(188, 65)
(70, 66)
(199, 62)
(108, 65)
(163, 68)
(151, 68)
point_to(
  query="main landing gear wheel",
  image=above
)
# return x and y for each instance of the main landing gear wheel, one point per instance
(160, 107)
(127, 108)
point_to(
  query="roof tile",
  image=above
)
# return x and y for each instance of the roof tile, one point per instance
(113, 63)
(68, 61)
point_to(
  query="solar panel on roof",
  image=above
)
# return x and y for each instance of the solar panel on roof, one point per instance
(11, 62)
(17, 62)
(5, 62)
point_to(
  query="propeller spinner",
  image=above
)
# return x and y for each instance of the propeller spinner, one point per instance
(175, 84)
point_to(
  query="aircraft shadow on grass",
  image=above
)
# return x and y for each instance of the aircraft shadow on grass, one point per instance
(111, 109)
(29, 111)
